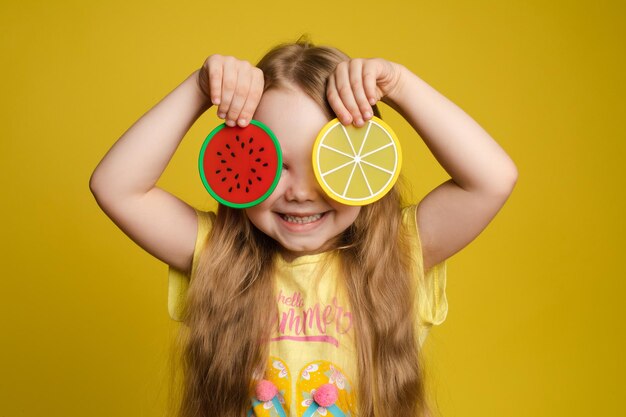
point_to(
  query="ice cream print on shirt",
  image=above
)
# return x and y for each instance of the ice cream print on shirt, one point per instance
(321, 389)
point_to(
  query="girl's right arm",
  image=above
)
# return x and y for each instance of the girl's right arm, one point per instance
(124, 182)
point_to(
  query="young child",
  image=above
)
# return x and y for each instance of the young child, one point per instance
(303, 306)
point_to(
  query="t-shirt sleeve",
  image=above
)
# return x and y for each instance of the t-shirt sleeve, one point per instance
(178, 281)
(432, 304)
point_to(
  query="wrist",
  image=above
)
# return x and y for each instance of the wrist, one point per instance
(397, 93)
(203, 97)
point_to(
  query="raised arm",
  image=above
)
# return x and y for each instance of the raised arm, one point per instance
(124, 182)
(483, 175)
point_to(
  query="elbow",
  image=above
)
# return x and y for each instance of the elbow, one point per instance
(507, 179)
(500, 183)
(104, 196)
(98, 187)
(94, 184)
(109, 191)
(512, 176)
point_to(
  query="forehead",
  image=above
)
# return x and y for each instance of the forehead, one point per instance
(293, 116)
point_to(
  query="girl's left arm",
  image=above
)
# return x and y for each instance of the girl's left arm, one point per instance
(483, 175)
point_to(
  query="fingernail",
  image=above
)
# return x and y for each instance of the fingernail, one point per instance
(216, 101)
(230, 123)
(359, 122)
(367, 114)
(241, 122)
(372, 101)
(221, 115)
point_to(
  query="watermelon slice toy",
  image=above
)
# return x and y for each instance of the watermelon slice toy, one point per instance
(240, 167)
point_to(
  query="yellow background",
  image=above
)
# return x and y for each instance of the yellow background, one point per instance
(536, 320)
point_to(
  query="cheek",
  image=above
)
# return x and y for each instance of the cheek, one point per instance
(257, 214)
(348, 214)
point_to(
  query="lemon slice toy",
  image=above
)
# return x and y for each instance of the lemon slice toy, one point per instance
(357, 166)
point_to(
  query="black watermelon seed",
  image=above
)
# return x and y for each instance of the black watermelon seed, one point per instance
(265, 164)
(237, 176)
(258, 160)
(232, 154)
(253, 170)
(230, 189)
(237, 185)
(261, 150)
(229, 169)
(242, 145)
(227, 146)
(223, 179)
(237, 137)
(259, 178)
(218, 171)
(222, 161)
(249, 181)
(219, 153)
(250, 141)
(246, 189)
(250, 153)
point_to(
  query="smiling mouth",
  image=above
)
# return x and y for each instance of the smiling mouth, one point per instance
(296, 219)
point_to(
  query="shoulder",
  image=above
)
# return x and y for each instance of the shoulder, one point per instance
(414, 237)
(409, 215)
(178, 281)
(206, 219)
(430, 281)
(409, 223)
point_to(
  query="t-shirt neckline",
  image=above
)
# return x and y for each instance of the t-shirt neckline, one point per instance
(303, 259)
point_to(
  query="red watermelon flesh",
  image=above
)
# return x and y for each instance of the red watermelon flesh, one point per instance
(240, 164)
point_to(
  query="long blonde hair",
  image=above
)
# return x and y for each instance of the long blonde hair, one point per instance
(224, 338)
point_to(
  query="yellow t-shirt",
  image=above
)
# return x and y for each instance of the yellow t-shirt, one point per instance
(314, 342)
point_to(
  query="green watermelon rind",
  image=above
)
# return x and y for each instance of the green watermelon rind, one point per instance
(279, 168)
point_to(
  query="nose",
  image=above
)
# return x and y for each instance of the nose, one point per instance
(301, 185)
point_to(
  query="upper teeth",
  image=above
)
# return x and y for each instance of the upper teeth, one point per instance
(301, 220)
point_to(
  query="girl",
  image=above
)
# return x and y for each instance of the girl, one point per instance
(300, 305)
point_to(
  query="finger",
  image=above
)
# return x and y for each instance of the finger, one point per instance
(356, 81)
(335, 102)
(214, 70)
(344, 88)
(369, 83)
(229, 82)
(253, 99)
(244, 79)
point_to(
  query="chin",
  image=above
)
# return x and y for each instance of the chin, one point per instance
(303, 249)
(308, 248)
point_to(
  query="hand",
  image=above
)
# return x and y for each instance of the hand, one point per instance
(235, 86)
(356, 85)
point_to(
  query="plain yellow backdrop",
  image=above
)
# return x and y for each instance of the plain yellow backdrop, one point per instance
(536, 319)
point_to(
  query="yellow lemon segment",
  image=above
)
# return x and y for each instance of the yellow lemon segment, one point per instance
(357, 166)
